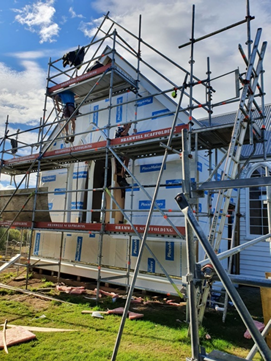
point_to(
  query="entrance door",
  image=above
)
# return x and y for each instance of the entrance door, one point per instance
(98, 182)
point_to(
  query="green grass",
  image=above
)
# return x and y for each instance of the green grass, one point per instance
(6, 276)
(158, 336)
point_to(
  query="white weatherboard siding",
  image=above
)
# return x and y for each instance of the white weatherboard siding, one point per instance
(256, 260)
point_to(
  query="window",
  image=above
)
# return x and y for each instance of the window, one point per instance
(258, 220)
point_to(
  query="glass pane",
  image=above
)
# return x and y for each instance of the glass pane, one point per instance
(255, 230)
(258, 209)
(255, 221)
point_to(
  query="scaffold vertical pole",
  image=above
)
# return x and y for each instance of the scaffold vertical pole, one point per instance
(3, 143)
(103, 203)
(192, 61)
(191, 291)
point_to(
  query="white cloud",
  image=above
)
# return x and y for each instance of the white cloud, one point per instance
(47, 33)
(4, 185)
(166, 25)
(89, 28)
(39, 19)
(21, 94)
(31, 54)
(74, 15)
(64, 19)
(5, 181)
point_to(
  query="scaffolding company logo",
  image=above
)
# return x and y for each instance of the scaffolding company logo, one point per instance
(169, 251)
(155, 167)
(151, 265)
(50, 206)
(146, 204)
(199, 168)
(48, 178)
(141, 103)
(171, 183)
(135, 247)
(81, 174)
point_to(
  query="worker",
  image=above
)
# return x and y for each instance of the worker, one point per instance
(74, 58)
(122, 131)
(96, 65)
(67, 99)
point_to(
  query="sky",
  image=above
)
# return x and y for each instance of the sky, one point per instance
(34, 31)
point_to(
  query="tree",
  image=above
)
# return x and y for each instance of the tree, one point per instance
(12, 234)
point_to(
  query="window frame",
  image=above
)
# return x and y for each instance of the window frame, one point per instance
(262, 190)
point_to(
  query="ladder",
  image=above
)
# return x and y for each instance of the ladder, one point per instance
(242, 120)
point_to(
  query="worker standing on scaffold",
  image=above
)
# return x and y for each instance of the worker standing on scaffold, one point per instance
(122, 131)
(68, 103)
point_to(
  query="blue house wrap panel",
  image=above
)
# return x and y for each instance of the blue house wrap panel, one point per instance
(81, 174)
(135, 247)
(96, 115)
(159, 112)
(151, 265)
(59, 191)
(169, 251)
(37, 245)
(77, 205)
(119, 110)
(48, 178)
(155, 167)
(170, 183)
(145, 204)
(146, 101)
(78, 249)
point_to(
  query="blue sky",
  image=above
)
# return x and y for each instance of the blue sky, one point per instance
(33, 26)
(33, 31)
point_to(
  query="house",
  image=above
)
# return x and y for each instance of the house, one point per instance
(92, 227)
(120, 247)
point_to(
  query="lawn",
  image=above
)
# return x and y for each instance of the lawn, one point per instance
(161, 335)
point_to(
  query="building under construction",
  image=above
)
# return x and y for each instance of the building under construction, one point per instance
(169, 205)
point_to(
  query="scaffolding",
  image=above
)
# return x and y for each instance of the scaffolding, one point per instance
(184, 138)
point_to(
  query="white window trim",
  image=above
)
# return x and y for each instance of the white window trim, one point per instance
(250, 236)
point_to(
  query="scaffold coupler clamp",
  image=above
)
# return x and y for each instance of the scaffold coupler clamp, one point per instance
(208, 271)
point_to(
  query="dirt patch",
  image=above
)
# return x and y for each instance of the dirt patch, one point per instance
(34, 302)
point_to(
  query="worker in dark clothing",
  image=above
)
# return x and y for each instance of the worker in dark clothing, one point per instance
(122, 131)
(74, 58)
(96, 65)
(67, 99)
